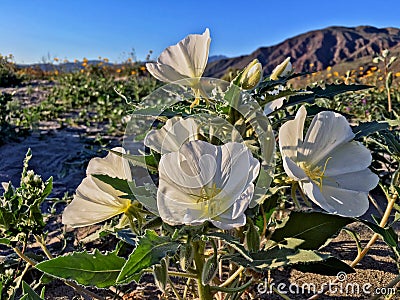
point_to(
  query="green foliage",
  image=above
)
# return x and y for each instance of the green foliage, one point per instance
(150, 250)
(312, 229)
(96, 269)
(330, 266)
(20, 211)
(8, 74)
(29, 293)
(93, 96)
(388, 235)
(7, 130)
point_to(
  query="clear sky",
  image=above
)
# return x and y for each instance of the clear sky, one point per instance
(32, 29)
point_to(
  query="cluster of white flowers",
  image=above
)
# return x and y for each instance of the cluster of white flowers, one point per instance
(201, 182)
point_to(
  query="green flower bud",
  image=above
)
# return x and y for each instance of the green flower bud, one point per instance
(251, 75)
(283, 69)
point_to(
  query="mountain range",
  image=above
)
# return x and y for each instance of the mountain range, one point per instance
(317, 49)
(339, 47)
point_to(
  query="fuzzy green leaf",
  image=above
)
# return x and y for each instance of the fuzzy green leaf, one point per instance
(332, 90)
(330, 266)
(96, 269)
(367, 128)
(150, 250)
(29, 293)
(231, 241)
(144, 161)
(7, 219)
(314, 228)
(278, 256)
(388, 235)
(117, 183)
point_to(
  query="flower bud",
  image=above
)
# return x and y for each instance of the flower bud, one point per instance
(251, 75)
(283, 69)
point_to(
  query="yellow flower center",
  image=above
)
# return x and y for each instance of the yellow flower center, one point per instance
(315, 173)
(207, 194)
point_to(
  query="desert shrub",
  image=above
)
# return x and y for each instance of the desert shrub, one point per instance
(8, 75)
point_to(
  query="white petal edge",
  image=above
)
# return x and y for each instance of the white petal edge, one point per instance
(291, 134)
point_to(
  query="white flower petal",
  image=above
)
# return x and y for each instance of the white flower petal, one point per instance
(91, 204)
(177, 207)
(327, 131)
(314, 193)
(291, 134)
(192, 167)
(347, 158)
(293, 170)
(361, 181)
(111, 165)
(164, 73)
(172, 135)
(188, 57)
(236, 158)
(345, 202)
(204, 182)
(229, 223)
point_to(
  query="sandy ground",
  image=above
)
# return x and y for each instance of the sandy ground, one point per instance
(64, 153)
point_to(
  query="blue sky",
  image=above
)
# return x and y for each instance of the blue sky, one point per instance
(32, 29)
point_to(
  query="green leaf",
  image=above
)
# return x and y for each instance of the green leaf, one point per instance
(388, 235)
(150, 250)
(269, 206)
(252, 237)
(231, 241)
(48, 188)
(144, 161)
(7, 219)
(29, 293)
(329, 92)
(277, 256)
(127, 236)
(160, 273)
(367, 128)
(5, 241)
(96, 269)
(332, 90)
(117, 183)
(314, 228)
(330, 266)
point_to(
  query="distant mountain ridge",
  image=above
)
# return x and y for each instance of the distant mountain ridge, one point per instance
(316, 50)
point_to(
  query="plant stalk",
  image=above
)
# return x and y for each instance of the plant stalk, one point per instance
(204, 290)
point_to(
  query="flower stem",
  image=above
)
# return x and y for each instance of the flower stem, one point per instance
(233, 277)
(294, 197)
(204, 290)
(180, 274)
(174, 289)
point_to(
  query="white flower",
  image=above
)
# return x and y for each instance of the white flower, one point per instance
(96, 201)
(172, 135)
(185, 60)
(332, 170)
(202, 182)
(282, 70)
